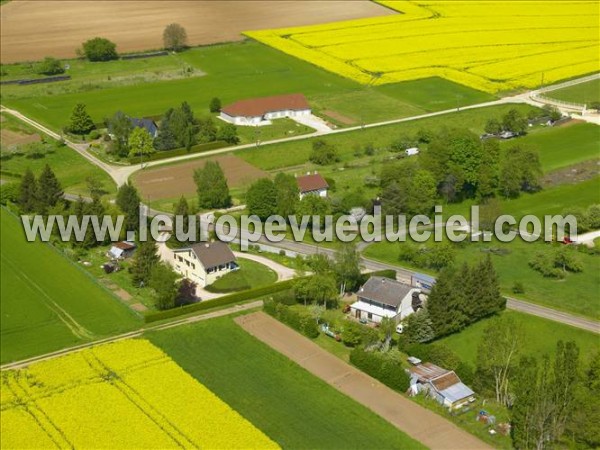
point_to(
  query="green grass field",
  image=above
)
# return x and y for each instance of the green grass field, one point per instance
(562, 146)
(296, 153)
(539, 337)
(580, 93)
(576, 293)
(250, 275)
(46, 302)
(293, 407)
(232, 72)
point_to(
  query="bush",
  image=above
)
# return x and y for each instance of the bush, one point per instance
(298, 319)
(9, 193)
(386, 367)
(50, 66)
(100, 49)
(518, 288)
(438, 354)
(94, 134)
(352, 334)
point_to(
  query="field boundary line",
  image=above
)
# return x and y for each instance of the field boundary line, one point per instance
(233, 309)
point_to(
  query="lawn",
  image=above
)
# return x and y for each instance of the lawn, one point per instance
(251, 274)
(47, 303)
(580, 93)
(279, 129)
(576, 293)
(562, 146)
(232, 72)
(291, 406)
(539, 337)
(71, 168)
(277, 156)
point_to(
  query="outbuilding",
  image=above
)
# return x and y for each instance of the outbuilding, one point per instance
(312, 184)
(121, 250)
(441, 384)
(260, 111)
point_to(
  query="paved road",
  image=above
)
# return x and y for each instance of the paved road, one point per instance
(423, 425)
(405, 275)
(132, 334)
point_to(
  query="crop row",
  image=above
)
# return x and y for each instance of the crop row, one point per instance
(127, 394)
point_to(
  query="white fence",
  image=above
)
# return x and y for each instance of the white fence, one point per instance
(579, 107)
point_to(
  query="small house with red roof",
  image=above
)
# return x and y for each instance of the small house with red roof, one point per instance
(260, 111)
(312, 184)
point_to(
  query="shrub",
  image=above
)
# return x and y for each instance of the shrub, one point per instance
(518, 288)
(100, 49)
(323, 153)
(298, 319)
(50, 66)
(438, 354)
(94, 134)
(352, 334)
(386, 367)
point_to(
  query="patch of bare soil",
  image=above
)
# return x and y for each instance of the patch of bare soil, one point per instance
(572, 174)
(33, 29)
(10, 137)
(177, 180)
(339, 117)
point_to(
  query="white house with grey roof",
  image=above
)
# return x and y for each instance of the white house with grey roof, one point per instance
(204, 262)
(383, 297)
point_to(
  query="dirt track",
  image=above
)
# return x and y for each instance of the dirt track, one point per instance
(421, 424)
(34, 29)
(177, 180)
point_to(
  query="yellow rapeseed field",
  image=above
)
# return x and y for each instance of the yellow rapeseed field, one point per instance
(122, 395)
(488, 45)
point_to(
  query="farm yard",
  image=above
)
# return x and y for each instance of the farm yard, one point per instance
(511, 45)
(62, 26)
(62, 402)
(40, 313)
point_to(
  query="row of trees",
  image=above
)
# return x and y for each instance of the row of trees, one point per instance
(461, 296)
(39, 195)
(550, 399)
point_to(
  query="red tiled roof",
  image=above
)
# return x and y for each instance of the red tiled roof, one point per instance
(260, 106)
(309, 183)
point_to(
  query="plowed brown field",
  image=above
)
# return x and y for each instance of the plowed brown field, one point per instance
(33, 29)
(174, 181)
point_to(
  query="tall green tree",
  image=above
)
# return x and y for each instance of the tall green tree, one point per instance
(287, 194)
(228, 133)
(347, 267)
(215, 105)
(445, 304)
(497, 355)
(49, 191)
(181, 222)
(418, 327)
(319, 288)
(514, 122)
(128, 201)
(211, 186)
(145, 259)
(420, 198)
(120, 127)
(323, 153)
(99, 49)
(50, 66)
(28, 192)
(140, 143)
(261, 198)
(164, 282)
(520, 170)
(81, 122)
(387, 326)
(582, 424)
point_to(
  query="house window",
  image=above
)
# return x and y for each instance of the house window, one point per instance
(369, 316)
